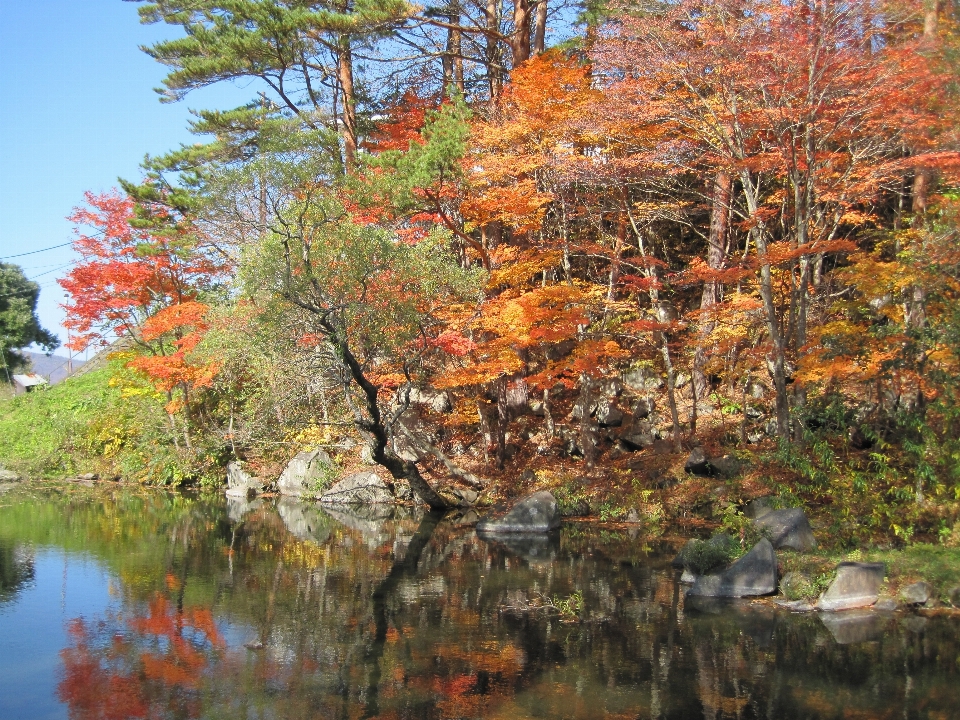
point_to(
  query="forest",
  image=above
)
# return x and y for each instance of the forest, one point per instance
(656, 256)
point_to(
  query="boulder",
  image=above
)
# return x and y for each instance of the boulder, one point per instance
(305, 474)
(919, 593)
(642, 408)
(465, 496)
(697, 463)
(8, 476)
(759, 507)
(954, 595)
(436, 400)
(787, 528)
(536, 513)
(610, 387)
(753, 574)
(608, 414)
(362, 488)
(726, 466)
(641, 435)
(642, 380)
(240, 483)
(885, 605)
(857, 585)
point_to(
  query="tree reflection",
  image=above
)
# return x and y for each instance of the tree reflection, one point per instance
(16, 571)
(412, 616)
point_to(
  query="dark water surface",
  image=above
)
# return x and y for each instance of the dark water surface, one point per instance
(132, 604)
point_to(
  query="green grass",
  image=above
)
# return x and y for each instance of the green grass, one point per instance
(38, 430)
(936, 564)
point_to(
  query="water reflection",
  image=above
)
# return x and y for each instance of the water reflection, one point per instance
(16, 570)
(290, 611)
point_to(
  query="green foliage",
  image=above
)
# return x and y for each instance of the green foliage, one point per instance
(570, 607)
(19, 325)
(701, 556)
(39, 430)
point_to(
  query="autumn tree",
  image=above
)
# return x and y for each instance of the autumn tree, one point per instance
(142, 287)
(784, 99)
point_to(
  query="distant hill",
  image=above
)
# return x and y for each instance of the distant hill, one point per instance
(52, 367)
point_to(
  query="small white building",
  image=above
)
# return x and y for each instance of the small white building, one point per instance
(27, 383)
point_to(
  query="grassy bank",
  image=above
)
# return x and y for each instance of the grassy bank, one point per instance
(42, 433)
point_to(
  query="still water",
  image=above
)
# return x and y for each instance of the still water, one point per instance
(134, 604)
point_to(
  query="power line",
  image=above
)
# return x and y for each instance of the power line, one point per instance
(34, 252)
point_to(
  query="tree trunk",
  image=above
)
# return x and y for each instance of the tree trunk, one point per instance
(520, 40)
(493, 54)
(777, 358)
(348, 112)
(456, 50)
(370, 422)
(540, 28)
(716, 257)
(587, 440)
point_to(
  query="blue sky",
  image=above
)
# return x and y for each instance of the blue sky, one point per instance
(77, 110)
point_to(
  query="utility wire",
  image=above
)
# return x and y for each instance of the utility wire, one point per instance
(34, 252)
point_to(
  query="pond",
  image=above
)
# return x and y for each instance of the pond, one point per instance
(139, 604)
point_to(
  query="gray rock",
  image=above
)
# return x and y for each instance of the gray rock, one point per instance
(642, 408)
(305, 521)
(727, 466)
(854, 626)
(9, 476)
(788, 529)
(916, 594)
(640, 436)
(362, 488)
(366, 455)
(465, 496)
(753, 412)
(857, 585)
(753, 574)
(534, 513)
(632, 516)
(697, 463)
(759, 507)
(885, 605)
(610, 387)
(240, 483)
(954, 595)
(688, 577)
(436, 400)
(608, 414)
(305, 474)
(642, 380)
